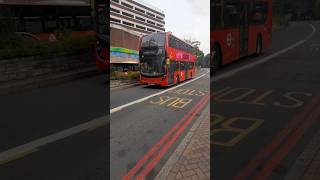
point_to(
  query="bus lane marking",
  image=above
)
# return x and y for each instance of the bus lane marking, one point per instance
(119, 108)
(175, 102)
(178, 102)
(231, 134)
(252, 96)
(228, 126)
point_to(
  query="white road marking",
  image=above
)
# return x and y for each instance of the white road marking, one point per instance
(263, 60)
(153, 95)
(19, 151)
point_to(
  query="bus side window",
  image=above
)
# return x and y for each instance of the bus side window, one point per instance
(85, 23)
(181, 66)
(259, 13)
(217, 15)
(50, 25)
(191, 65)
(176, 65)
(231, 15)
(33, 25)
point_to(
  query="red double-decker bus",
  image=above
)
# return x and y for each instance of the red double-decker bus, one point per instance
(165, 60)
(102, 33)
(239, 28)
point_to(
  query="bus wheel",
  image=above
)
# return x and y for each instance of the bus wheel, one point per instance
(258, 46)
(215, 60)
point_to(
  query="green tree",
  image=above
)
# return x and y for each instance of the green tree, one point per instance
(7, 25)
(206, 61)
(316, 9)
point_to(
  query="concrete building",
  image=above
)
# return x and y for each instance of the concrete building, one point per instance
(136, 16)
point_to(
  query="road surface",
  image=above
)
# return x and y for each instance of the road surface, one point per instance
(263, 116)
(37, 142)
(146, 132)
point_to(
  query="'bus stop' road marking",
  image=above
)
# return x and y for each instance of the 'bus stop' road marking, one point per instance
(119, 108)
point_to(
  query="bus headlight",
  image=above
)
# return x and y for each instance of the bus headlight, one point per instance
(168, 61)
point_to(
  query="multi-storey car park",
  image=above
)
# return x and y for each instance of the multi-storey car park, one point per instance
(137, 16)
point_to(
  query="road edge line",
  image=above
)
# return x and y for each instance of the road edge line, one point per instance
(165, 170)
(11, 154)
(265, 59)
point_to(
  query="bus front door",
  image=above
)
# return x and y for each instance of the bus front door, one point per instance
(171, 73)
(244, 29)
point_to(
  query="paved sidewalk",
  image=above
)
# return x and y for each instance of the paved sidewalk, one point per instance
(307, 165)
(191, 160)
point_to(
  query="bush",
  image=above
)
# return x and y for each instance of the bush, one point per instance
(18, 47)
(280, 21)
(130, 75)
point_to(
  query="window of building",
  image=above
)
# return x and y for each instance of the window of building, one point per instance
(159, 25)
(151, 30)
(127, 14)
(158, 17)
(115, 20)
(150, 22)
(127, 23)
(140, 10)
(140, 27)
(115, 10)
(116, 1)
(150, 14)
(140, 19)
(127, 5)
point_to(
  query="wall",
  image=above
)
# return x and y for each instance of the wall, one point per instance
(121, 38)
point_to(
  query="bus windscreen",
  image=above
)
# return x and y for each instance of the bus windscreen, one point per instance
(152, 55)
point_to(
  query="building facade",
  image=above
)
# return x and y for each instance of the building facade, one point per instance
(136, 16)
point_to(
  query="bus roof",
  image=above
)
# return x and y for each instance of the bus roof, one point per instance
(47, 2)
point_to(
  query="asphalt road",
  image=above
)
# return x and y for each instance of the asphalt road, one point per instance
(262, 117)
(136, 130)
(39, 120)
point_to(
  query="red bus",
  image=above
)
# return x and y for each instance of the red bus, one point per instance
(165, 60)
(239, 28)
(102, 29)
(47, 20)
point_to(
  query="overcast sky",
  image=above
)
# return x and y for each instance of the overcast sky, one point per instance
(187, 19)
